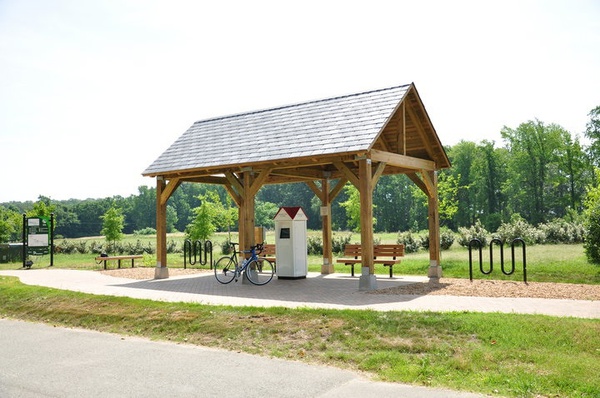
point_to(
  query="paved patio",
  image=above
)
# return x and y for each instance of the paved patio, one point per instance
(316, 291)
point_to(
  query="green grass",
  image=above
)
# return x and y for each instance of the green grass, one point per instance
(545, 263)
(498, 354)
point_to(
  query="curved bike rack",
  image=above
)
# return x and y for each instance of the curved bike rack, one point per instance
(202, 252)
(496, 241)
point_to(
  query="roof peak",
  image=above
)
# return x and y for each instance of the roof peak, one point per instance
(295, 105)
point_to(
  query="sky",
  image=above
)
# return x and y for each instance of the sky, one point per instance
(93, 91)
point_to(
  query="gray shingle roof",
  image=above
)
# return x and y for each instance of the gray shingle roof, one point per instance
(338, 125)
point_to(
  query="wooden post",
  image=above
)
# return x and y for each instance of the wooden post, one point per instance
(435, 269)
(368, 281)
(247, 214)
(327, 266)
(161, 271)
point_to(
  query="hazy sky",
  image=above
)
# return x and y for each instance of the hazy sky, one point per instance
(92, 91)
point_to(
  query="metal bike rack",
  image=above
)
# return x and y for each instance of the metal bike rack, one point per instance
(496, 241)
(202, 252)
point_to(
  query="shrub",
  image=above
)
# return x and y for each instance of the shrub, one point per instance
(477, 231)
(81, 247)
(410, 242)
(172, 247)
(314, 245)
(519, 228)
(447, 237)
(338, 243)
(561, 231)
(592, 237)
(226, 247)
(145, 231)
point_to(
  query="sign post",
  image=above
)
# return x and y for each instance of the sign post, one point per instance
(38, 238)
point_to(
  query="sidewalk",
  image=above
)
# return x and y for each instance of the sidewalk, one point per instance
(335, 291)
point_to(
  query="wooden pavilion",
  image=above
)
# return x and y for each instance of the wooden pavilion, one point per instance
(324, 144)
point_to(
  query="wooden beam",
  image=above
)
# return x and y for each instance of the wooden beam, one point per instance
(377, 173)
(338, 188)
(234, 195)
(347, 173)
(419, 127)
(435, 268)
(418, 182)
(234, 182)
(168, 190)
(161, 271)
(316, 190)
(366, 214)
(259, 181)
(408, 162)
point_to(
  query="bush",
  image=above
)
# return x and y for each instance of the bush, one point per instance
(561, 231)
(410, 242)
(338, 243)
(519, 228)
(447, 237)
(314, 245)
(226, 247)
(592, 237)
(477, 231)
(145, 231)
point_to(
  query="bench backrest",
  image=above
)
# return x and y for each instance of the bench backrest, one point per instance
(268, 250)
(390, 250)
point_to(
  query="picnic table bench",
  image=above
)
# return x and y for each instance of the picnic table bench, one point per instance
(118, 258)
(390, 254)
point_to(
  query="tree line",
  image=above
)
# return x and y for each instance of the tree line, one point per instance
(539, 171)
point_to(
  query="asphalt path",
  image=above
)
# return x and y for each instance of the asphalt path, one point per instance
(38, 360)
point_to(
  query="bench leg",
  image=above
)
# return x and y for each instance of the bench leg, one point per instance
(391, 271)
(104, 264)
(352, 265)
(119, 263)
(132, 263)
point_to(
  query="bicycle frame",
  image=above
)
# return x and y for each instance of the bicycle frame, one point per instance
(255, 269)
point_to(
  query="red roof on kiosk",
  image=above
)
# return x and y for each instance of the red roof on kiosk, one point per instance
(292, 211)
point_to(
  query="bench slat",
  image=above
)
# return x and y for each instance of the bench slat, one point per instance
(119, 258)
(385, 250)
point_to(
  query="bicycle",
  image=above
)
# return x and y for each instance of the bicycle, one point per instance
(258, 270)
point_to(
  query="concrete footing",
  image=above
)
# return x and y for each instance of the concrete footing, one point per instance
(367, 281)
(161, 272)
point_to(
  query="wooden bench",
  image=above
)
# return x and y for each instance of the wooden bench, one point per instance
(391, 254)
(118, 258)
(269, 253)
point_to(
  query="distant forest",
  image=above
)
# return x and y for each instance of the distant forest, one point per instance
(539, 171)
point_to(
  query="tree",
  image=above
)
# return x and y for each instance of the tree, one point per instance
(9, 224)
(210, 215)
(113, 222)
(352, 206)
(264, 213)
(533, 149)
(592, 222)
(592, 131)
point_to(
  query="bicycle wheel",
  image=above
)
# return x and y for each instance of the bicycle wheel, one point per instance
(225, 270)
(259, 272)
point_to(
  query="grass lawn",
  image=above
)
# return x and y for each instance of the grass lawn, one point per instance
(545, 263)
(497, 354)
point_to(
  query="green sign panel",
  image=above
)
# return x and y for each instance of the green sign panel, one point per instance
(38, 235)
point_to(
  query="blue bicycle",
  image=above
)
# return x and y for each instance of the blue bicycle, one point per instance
(258, 270)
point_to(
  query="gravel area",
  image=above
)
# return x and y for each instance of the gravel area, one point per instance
(497, 288)
(444, 286)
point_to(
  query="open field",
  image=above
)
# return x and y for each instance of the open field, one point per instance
(545, 263)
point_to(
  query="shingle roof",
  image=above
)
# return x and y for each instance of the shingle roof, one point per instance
(337, 125)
